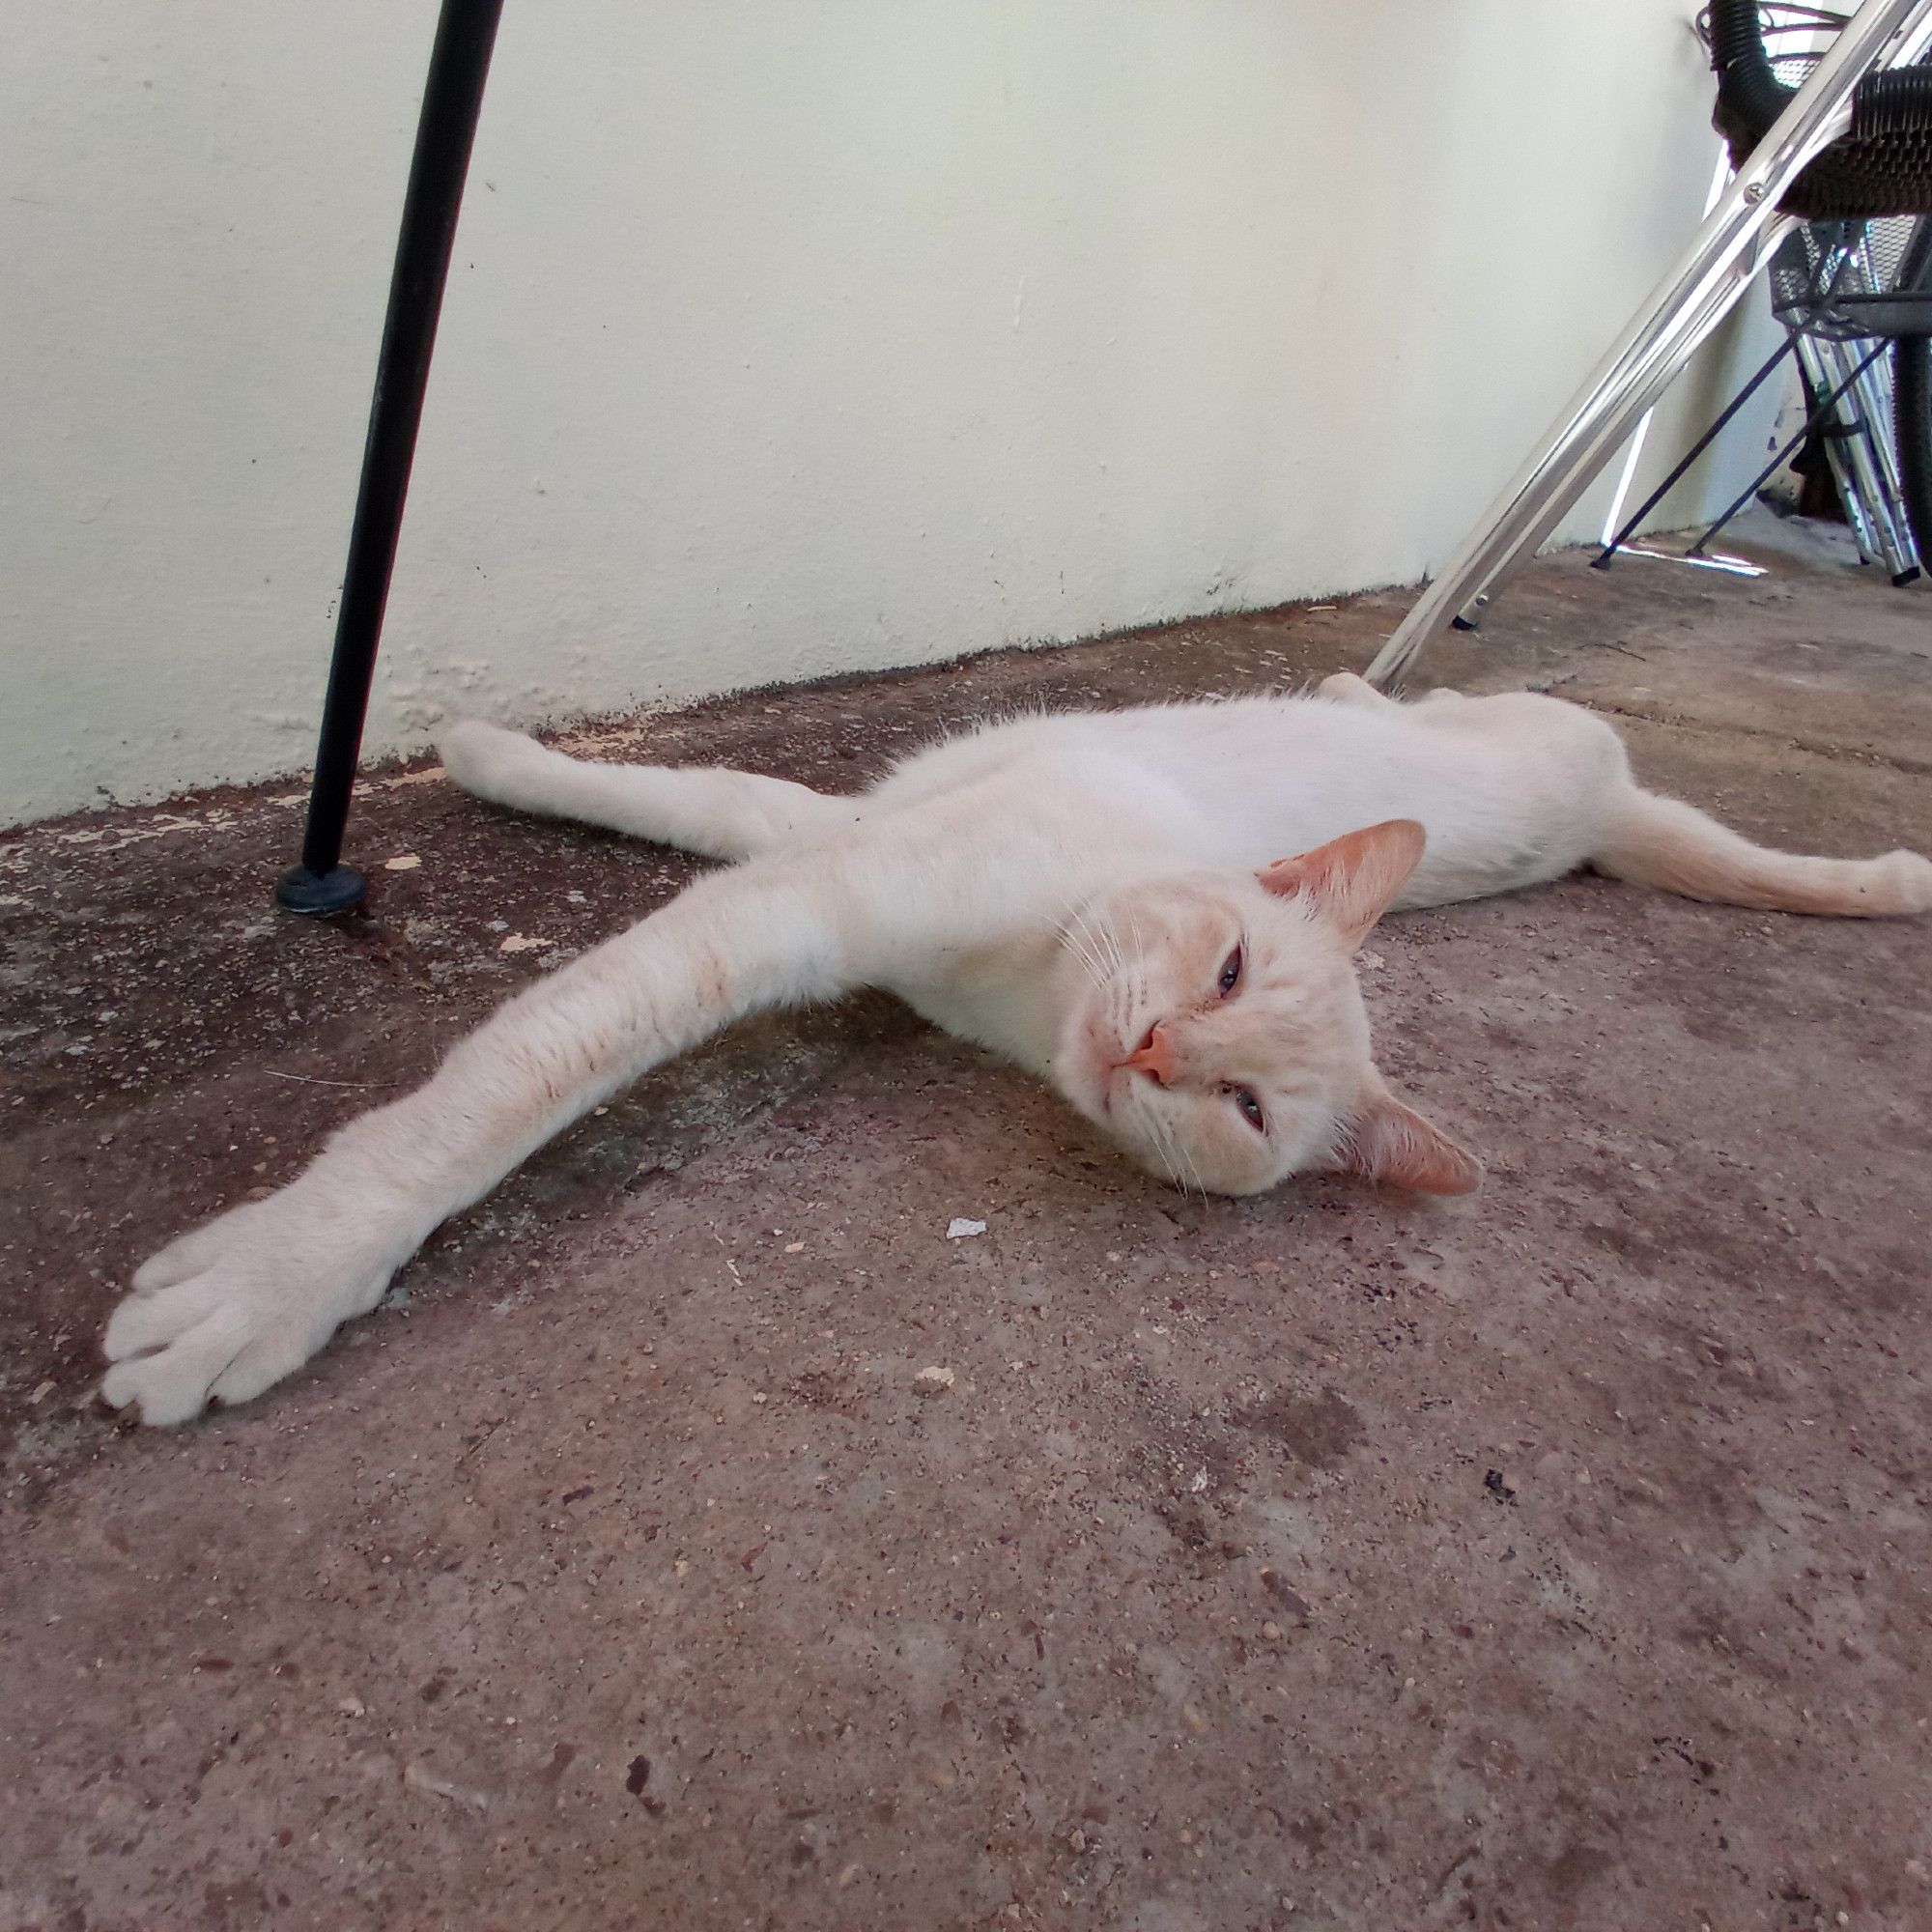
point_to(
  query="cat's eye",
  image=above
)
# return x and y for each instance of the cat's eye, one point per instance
(1251, 1108)
(1230, 973)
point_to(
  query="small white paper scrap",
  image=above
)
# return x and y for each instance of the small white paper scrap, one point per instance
(960, 1227)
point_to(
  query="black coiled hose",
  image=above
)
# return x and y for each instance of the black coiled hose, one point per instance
(1881, 167)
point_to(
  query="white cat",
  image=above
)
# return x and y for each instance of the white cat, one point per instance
(1097, 895)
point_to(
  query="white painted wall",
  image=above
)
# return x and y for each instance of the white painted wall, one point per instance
(782, 339)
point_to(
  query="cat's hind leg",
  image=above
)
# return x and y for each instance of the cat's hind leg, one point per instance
(1664, 843)
(710, 809)
(1346, 688)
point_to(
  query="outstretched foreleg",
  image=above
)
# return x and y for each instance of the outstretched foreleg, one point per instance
(236, 1305)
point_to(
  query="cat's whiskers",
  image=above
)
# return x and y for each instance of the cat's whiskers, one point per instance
(1140, 957)
(1112, 936)
(1180, 1151)
(1089, 964)
(1162, 1143)
(1171, 1149)
(1105, 945)
(1095, 929)
(1160, 1137)
(1166, 1143)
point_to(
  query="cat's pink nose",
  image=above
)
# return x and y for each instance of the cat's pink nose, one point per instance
(1154, 1056)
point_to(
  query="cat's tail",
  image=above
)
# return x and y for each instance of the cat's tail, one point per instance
(1664, 843)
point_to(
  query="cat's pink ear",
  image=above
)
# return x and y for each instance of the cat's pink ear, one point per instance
(1391, 1143)
(1352, 879)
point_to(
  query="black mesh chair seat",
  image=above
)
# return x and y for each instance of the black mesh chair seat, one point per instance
(1882, 166)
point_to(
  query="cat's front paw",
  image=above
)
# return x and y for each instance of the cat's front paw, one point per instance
(237, 1304)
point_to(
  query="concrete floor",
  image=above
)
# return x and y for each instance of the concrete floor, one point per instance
(1329, 1560)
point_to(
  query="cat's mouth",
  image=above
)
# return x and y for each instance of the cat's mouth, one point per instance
(1107, 1070)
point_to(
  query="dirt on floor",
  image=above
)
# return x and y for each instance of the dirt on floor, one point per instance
(1558, 1559)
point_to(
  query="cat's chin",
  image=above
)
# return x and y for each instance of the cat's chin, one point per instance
(1086, 1071)
(1088, 1094)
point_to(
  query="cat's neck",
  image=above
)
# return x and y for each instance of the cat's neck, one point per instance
(1008, 996)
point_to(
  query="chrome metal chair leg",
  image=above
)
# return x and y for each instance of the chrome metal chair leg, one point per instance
(1858, 445)
(1708, 278)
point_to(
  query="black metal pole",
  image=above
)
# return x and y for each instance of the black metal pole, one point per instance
(459, 64)
(1608, 554)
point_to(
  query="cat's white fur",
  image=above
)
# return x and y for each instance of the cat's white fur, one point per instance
(1071, 891)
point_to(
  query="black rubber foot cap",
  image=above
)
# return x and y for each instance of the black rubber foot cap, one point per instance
(317, 894)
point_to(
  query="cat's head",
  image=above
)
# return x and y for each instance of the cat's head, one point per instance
(1215, 1029)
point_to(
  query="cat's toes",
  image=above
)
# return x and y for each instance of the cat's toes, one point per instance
(172, 1356)
(233, 1307)
(149, 1319)
(216, 1336)
(186, 1255)
(278, 1350)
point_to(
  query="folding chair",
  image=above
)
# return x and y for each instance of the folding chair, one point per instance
(1854, 140)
